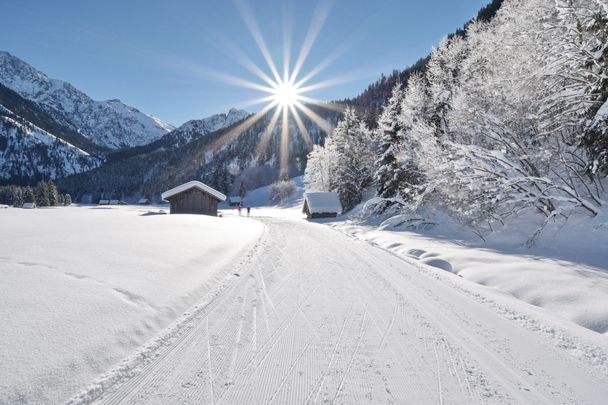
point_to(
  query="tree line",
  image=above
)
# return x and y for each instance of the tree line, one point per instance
(44, 194)
(512, 116)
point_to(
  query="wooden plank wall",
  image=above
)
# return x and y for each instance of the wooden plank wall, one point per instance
(193, 201)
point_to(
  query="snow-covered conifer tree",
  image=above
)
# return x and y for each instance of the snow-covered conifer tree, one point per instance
(389, 172)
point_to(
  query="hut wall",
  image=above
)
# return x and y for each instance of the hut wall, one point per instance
(193, 201)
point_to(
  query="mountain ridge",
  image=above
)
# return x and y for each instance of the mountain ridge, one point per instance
(111, 123)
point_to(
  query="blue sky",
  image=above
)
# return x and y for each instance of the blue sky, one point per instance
(160, 56)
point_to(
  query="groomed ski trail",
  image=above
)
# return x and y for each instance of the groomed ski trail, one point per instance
(313, 316)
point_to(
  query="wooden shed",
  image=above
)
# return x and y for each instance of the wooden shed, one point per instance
(322, 205)
(193, 197)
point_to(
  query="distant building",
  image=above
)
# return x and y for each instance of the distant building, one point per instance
(104, 202)
(322, 205)
(114, 202)
(193, 197)
(29, 205)
(235, 201)
(143, 201)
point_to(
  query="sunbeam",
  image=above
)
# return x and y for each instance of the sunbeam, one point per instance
(283, 94)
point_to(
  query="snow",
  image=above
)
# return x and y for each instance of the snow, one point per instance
(109, 123)
(123, 305)
(323, 202)
(565, 273)
(317, 316)
(193, 184)
(30, 151)
(81, 287)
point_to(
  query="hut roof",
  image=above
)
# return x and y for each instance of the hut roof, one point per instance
(323, 202)
(193, 184)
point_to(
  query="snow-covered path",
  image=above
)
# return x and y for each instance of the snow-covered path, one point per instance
(313, 316)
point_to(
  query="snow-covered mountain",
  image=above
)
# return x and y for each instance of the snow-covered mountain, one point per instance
(194, 129)
(28, 153)
(110, 123)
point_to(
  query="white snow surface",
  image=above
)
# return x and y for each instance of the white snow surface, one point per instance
(194, 129)
(30, 151)
(323, 202)
(82, 287)
(308, 314)
(193, 184)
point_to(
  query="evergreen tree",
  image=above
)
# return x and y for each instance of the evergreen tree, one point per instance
(389, 173)
(67, 200)
(28, 195)
(17, 196)
(42, 194)
(53, 194)
(355, 158)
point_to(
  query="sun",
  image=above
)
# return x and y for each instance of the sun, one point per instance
(286, 94)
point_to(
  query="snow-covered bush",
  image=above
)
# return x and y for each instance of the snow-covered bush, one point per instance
(281, 190)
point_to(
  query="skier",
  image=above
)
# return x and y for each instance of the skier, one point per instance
(239, 209)
(248, 211)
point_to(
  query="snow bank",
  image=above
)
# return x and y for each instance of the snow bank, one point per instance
(566, 273)
(82, 287)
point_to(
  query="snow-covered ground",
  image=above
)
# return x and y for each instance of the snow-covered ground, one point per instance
(107, 305)
(82, 287)
(317, 316)
(565, 273)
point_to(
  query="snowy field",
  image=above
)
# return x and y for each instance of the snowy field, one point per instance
(83, 287)
(114, 305)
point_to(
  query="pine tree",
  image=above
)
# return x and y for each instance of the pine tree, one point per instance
(17, 197)
(28, 195)
(42, 194)
(355, 153)
(389, 173)
(67, 200)
(53, 194)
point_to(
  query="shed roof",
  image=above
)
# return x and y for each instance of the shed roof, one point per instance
(193, 184)
(323, 202)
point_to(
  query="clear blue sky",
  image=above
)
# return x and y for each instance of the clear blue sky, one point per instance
(157, 55)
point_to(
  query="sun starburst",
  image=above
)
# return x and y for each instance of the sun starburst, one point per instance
(286, 94)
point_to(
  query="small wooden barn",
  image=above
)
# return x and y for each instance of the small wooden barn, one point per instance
(193, 197)
(322, 205)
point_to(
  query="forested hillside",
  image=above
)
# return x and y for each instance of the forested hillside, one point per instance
(371, 100)
(510, 117)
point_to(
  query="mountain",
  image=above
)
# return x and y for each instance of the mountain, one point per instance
(28, 153)
(223, 159)
(109, 124)
(193, 129)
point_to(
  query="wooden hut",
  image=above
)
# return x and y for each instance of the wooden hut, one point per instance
(193, 197)
(321, 205)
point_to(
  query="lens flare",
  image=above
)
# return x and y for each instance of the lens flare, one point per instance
(284, 94)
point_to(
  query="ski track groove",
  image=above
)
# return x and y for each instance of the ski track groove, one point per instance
(295, 328)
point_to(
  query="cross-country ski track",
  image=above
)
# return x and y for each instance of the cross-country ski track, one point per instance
(312, 315)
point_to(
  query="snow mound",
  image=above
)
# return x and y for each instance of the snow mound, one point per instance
(438, 263)
(83, 288)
